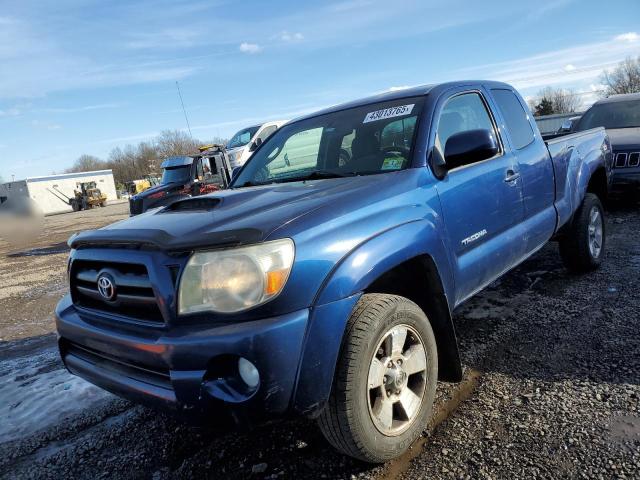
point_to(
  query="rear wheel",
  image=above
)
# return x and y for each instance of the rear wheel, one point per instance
(582, 248)
(385, 380)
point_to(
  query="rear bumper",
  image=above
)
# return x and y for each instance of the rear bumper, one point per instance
(190, 368)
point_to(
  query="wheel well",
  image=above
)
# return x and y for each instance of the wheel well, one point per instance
(418, 280)
(598, 184)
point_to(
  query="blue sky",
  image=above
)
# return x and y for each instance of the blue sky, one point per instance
(85, 76)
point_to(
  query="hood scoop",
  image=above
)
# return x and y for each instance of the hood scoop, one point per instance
(202, 204)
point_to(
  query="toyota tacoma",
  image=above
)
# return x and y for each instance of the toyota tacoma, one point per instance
(323, 286)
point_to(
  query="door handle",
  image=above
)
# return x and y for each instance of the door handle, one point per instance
(512, 176)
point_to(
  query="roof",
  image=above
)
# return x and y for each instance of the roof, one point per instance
(178, 161)
(622, 97)
(398, 94)
(69, 175)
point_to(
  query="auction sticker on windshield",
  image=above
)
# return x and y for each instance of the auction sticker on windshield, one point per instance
(389, 113)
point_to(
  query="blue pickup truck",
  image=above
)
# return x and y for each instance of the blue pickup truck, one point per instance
(323, 284)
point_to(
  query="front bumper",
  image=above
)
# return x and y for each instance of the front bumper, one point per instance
(189, 367)
(624, 179)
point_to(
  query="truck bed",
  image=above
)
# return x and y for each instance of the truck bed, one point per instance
(571, 155)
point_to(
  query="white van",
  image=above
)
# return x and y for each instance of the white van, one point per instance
(243, 143)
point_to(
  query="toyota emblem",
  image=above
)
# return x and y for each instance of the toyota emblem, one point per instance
(106, 287)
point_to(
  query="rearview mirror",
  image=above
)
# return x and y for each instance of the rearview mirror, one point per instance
(256, 143)
(468, 147)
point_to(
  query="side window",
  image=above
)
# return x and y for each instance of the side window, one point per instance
(398, 133)
(199, 171)
(265, 133)
(300, 151)
(461, 113)
(515, 116)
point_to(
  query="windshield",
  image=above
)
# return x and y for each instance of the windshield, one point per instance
(176, 174)
(243, 137)
(375, 138)
(612, 115)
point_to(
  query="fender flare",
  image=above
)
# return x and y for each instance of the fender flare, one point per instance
(342, 289)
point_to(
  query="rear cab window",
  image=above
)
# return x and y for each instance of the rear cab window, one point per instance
(515, 116)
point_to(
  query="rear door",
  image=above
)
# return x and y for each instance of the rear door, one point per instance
(536, 169)
(481, 202)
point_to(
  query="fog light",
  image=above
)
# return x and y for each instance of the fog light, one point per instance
(248, 373)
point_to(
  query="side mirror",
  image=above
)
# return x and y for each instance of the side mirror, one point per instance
(256, 143)
(566, 126)
(468, 147)
(234, 172)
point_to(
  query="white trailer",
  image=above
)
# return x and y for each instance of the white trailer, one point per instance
(50, 192)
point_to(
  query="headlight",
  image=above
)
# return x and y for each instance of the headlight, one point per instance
(233, 280)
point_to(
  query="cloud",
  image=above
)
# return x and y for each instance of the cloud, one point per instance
(10, 112)
(169, 38)
(45, 125)
(250, 48)
(41, 63)
(586, 64)
(85, 108)
(291, 37)
(628, 37)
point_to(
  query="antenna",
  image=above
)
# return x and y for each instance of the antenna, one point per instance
(183, 109)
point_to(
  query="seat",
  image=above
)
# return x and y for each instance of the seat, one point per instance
(365, 152)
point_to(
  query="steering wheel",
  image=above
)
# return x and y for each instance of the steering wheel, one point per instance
(403, 151)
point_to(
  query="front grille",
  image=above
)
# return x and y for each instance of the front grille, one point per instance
(104, 361)
(627, 160)
(133, 295)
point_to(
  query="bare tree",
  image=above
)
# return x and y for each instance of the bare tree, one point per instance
(556, 100)
(625, 78)
(175, 142)
(87, 163)
(133, 162)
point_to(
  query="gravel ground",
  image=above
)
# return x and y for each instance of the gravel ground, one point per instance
(551, 390)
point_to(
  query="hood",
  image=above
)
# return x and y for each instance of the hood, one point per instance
(240, 216)
(163, 187)
(236, 149)
(624, 138)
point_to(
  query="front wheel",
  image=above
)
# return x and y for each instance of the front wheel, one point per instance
(385, 380)
(582, 248)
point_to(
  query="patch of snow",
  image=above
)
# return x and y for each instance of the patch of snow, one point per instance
(37, 391)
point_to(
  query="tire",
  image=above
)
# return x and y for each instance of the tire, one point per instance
(74, 206)
(349, 420)
(582, 249)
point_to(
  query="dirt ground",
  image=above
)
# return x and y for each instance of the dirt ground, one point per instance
(551, 388)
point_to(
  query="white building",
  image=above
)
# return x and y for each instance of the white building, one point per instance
(50, 192)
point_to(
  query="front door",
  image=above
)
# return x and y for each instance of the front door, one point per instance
(481, 202)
